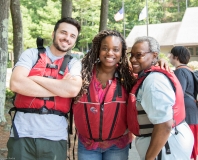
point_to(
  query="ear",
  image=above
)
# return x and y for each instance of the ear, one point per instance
(155, 55)
(175, 58)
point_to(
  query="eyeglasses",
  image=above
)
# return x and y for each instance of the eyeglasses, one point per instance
(137, 55)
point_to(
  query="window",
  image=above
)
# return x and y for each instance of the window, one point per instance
(196, 51)
(191, 51)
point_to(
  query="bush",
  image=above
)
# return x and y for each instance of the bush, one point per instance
(9, 94)
(193, 65)
(9, 64)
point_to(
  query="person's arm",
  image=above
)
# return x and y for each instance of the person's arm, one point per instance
(157, 100)
(22, 84)
(159, 137)
(69, 86)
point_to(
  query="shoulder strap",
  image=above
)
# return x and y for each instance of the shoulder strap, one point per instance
(118, 91)
(184, 66)
(195, 78)
(66, 60)
(139, 82)
(41, 49)
(39, 43)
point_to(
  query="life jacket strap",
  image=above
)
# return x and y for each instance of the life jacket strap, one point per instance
(65, 62)
(39, 43)
(46, 98)
(42, 110)
(167, 147)
(16, 135)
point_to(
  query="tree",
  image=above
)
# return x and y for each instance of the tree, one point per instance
(17, 28)
(66, 9)
(4, 15)
(87, 13)
(104, 14)
(38, 19)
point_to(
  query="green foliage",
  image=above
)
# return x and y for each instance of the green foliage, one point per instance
(9, 64)
(39, 17)
(87, 12)
(193, 65)
(9, 94)
(165, 57)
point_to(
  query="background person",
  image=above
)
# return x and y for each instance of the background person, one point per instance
(43, 97)
(154, 107)
(179, 57)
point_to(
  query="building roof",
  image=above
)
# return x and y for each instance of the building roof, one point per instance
(188, 32)
(170, 34)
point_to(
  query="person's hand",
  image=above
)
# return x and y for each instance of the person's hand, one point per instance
(164, 65)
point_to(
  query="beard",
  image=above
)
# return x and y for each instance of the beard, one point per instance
(58, 47)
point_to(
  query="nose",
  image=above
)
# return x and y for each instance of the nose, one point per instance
(110, 52)
(132, 59)
(67, 38)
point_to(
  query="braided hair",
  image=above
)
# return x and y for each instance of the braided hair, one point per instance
(124, 70)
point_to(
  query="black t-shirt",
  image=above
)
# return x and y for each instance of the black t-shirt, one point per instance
(186, 79)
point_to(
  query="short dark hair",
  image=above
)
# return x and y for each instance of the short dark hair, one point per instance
(70, 21)
(182, 53)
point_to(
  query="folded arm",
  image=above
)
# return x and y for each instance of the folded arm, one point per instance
(159, 137)
(22, 84)
(69, 86)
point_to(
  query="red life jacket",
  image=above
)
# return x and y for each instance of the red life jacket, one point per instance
(45, 68)
(102, 121)
(178, 107)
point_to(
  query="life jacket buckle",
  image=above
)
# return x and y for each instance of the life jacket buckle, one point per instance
(43, 110)
(52, 66)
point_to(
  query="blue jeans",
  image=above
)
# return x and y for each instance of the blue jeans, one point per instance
(112, 153)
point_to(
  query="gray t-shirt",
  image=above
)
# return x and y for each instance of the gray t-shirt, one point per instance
(52, 127)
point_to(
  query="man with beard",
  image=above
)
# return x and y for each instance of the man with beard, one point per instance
(45, 80)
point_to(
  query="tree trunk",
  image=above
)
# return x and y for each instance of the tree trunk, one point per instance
(178, 5)
(66, 10)
(17, 29)
(103, 14)
(4, 15)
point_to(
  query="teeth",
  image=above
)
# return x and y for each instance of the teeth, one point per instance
(135, 65)
(109, 58)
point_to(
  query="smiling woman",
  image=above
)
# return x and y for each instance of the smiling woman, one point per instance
(155, 111)
(100, 108)
(142, 55)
